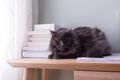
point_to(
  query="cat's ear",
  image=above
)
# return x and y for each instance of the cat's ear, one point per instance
(53, 32)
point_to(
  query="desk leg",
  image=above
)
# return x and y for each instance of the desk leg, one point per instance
(44, 74)
(29, 74)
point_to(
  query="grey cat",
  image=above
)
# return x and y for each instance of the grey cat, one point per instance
(79, 42)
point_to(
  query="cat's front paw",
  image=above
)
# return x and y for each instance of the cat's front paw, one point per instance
(57, 57)
(50, 56)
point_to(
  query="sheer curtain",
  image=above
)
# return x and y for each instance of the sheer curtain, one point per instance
(15, 20)
(6, 38)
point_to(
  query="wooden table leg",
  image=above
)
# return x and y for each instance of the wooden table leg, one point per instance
(29, 74)
(44, 74)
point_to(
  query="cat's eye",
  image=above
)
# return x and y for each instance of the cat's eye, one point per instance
(56, 39)
(68, 39)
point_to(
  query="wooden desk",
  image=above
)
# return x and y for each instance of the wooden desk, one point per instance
(31, 66)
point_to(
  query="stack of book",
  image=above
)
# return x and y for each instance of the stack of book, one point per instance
(38, 42)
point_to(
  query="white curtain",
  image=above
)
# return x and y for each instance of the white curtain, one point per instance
(15, 20)
(6, 38)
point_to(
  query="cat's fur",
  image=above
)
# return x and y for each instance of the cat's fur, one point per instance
(80, 42)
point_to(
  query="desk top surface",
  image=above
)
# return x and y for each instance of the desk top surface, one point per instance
(70, 64)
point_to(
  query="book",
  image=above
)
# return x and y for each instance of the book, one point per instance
(39, 54)
(34, 49)
(39, 27)
(39, 33)
(35, 52)
(115, 57)
(37, 44)
(41, 36)
(39, 39)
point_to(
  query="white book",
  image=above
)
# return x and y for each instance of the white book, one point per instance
(36, 54)
(34, 49)
(38, 44)
(39, 33)
(41, 36)
(39, 39)
(43, 27)
(115, 57)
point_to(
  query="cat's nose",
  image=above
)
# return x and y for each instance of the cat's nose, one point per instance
(61, 43)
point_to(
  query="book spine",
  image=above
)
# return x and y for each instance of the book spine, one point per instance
(44, 27)
(44, 44)
(40, 39)
(41, 36)
(39, 33)
(41, 54)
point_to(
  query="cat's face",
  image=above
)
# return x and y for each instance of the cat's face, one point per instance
(62, 39)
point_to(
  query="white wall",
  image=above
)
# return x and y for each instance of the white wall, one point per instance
(34, 12)
(104, 14)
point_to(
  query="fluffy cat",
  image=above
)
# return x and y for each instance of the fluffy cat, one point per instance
(80, 42)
